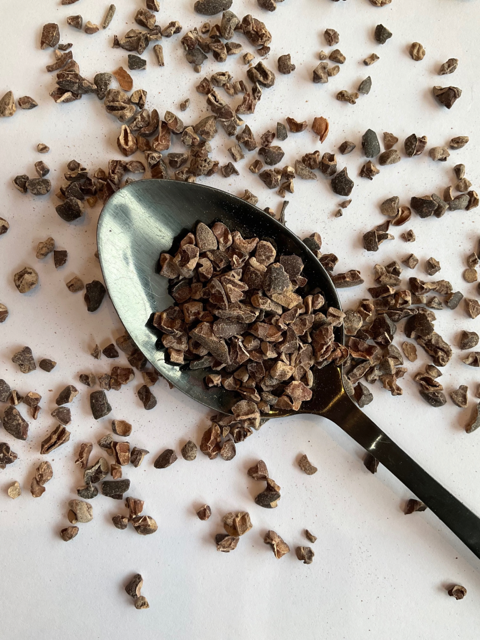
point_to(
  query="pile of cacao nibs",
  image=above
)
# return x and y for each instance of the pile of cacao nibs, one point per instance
(239, 311)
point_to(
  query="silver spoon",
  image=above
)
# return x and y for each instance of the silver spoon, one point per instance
(142, 220)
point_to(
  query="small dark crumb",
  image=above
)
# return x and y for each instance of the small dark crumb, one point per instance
(371, 463)
(226, 543)
(457, 591)
(204, 512)
(47, 365)
(147, 398)
(189, 450)
(99, 404)
(60, 258)
(68, 533)
(120, 522)
(306, 466)
(414, 505)
(165, 459)
(346, 147)
(97, 352)
(110, 351)
(310, 537)
(95, 292)
(306, 554)
(259, 471)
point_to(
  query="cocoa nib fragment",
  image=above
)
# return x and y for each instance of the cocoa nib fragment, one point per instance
(14, 423)
(67, 395)
(50, 35)
(306, 466)
(115, 488)
(147, 398)
(447, 96)
(342, 185)
(165, 459)
(94, 295)
(25, 360)
(55, 439)
(7, 456)
(414, 505)
(279, 546)
(99, 404)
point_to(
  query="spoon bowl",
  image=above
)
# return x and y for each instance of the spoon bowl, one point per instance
(144, 219)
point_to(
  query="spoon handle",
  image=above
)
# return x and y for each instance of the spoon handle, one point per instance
(457, 517)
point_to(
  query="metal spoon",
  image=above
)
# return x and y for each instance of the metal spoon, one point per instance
(142, 220)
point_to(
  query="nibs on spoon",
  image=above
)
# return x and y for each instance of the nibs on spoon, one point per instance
(142, 220)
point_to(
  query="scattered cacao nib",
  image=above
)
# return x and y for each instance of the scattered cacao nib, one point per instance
(50, 36)
(459, 396)
(369, 170)
(70, 210)
(137, 455)
(468, 340)
(371, 59)
(55, 439)
(371, 463)
(285, 65)
(47, 365)
(68, 533)
(120, 522)
(417, 52)
(115, 488)
(226, 543)
(26, 279)
(458, 142)
(109, 16)
(96, 472)
(147, 398)
(306, 466)
(75, 21)
(305, 554)
(279, 546)
(347, 147)
(472, 359)
(91, 28)
(237, 524)
(67, 395)
(447, 96)
(189, 451)
(457, 591)
(80, 511)
(472, 307)
(14, 423)
(259, 471)
(414, 505)
(144, 525)
(7, 456)
(94, 295)
(342, 185)
(165, 459)
(474, 422)
(60, 258)
(24, 359)
(110, 351)
(295, 126)
(204, 512)
(382, 34)
(365, 86)
(99, 404)
(346, 96)
(14, 491)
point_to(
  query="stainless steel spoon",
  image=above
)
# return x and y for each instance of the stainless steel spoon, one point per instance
(142, 220)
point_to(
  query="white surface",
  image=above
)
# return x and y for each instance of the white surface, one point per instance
(377, 574)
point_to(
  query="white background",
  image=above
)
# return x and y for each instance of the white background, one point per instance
(377, 574)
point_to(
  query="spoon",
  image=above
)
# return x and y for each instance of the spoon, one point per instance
(142, 220)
